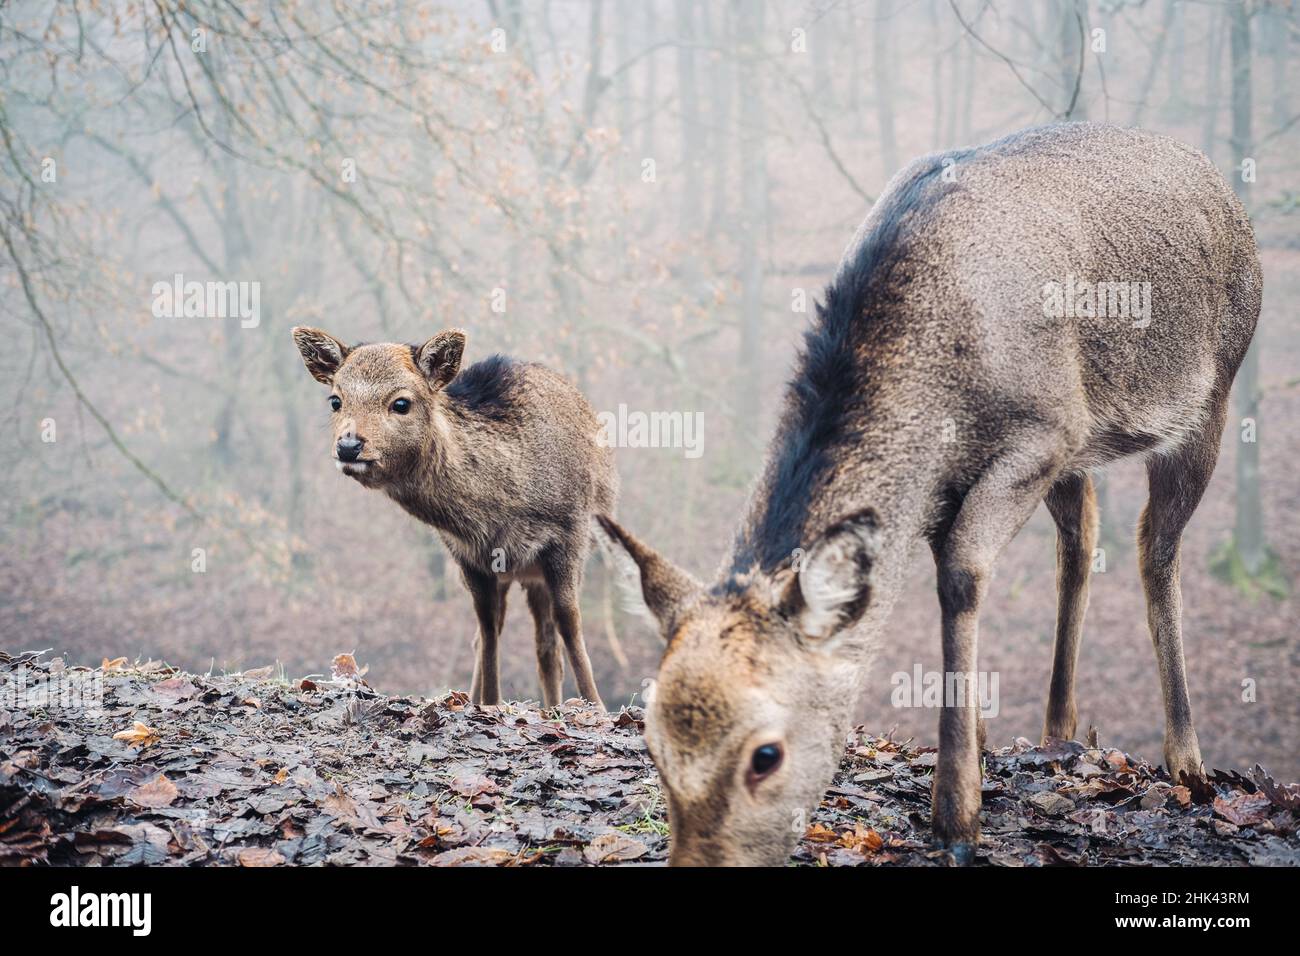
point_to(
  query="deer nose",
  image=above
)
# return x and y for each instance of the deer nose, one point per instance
(349, 449)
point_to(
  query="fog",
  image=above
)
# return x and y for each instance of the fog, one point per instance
(647, 196)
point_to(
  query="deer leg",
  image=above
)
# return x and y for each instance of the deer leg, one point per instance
(563, 580)
(476, 683)
(1176, 482)
(1073, 504)
(991, 513)
(550, 659)
(489, 607)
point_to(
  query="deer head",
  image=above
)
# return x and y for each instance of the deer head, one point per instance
(748, 715)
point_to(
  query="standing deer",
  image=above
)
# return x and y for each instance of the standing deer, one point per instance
(502, 459)
(956, 376)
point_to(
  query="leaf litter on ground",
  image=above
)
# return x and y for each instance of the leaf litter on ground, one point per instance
(250, 770)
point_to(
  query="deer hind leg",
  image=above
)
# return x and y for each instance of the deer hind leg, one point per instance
(550, 658)
(1176, 482)
(1073, 503)
(489, 596)
(563, 576)
(991, 513)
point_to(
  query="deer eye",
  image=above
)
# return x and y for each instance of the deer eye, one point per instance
(764, 761)
(402, 406)
(335, 402)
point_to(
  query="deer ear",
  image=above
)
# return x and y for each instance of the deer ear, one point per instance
(439, 358)
(652, 585)
(832, 587)
(321, 352)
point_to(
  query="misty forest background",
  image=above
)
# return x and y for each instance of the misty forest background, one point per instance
(650, 188)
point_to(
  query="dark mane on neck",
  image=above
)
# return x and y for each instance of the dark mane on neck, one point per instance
(825, 396)
(487, 388)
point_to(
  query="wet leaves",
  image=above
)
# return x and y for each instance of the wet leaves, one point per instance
(158, 792)
(613, 847)
(1060, 804)
(137, 735)
(1243, 809)
(250, 770)
(257, 856)
(1052, 804)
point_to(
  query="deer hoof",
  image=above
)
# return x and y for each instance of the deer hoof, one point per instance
(963, 854)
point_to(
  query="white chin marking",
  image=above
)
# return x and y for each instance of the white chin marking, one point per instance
(338, 464)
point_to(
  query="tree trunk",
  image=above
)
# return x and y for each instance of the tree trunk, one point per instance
(883, 73)
(720, 82)
(1153, 66)
(688, 109)
(648, 127)
(1214, 57)
(753, 175)
(1249, 534)
(936, 78)
(1176, 107)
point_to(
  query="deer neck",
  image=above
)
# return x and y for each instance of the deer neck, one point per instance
(445, 488)
(879, 463)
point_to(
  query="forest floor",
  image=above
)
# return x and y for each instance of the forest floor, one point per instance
(155, 767)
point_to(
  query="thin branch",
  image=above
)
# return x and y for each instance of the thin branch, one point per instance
(30, 294)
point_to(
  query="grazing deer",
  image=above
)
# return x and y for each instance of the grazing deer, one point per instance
(943, 392)
(500, 458)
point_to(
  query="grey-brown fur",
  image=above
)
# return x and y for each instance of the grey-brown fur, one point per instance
(501, 458)
(936, 398)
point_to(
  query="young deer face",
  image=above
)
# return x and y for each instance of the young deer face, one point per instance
(385, 399)
(748, 716)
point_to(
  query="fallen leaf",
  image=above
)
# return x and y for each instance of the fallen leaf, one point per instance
(472, 784)
(1244, 809)
(456, 700)
(140, 735)
(863, 839)
(820, 833)
(158, 792)
(344, 667)
(259, 856)
(871, 776)
(613, 848)
(175, 688)
(1153, 799)
(473, 856)
(1053, 804)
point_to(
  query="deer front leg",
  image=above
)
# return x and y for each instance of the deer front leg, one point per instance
(994, 509)
(489, 608)
(957, 773)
